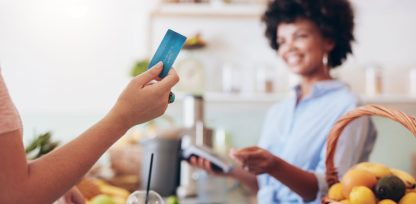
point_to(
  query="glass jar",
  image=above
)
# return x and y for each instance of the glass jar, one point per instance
(231, 78)
(373, 80)
(265, 78)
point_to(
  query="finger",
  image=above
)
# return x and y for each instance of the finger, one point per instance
(250, 159)
(170, 80)
(192, 160)
(150, 83)
(251, 152)
(201, 163)
(77, 197)
(207, 165)
(233, 156)
(150, 74)
(241, 156)
(250, 149)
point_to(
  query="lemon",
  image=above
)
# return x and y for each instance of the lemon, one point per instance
(345, 202)
(386, 201)
(409, 198)
(362, 195)
(335, 192)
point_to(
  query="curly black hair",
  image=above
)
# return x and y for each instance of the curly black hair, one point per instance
(334, 19)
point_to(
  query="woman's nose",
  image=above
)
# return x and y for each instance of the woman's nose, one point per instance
(287, 47)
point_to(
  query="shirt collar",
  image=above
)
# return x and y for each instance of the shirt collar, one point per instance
(322, 87)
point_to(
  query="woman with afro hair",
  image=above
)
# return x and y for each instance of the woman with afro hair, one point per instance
(312, 37)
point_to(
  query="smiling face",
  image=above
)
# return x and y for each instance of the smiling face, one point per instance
(302, 47)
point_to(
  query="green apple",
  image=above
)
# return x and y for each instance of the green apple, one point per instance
(172, 200)
(102, 199)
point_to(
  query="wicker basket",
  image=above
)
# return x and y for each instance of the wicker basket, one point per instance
(369, 110)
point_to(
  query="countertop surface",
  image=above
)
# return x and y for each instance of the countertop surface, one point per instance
(220, 191)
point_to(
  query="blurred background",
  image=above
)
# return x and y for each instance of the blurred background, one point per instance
(66, 61)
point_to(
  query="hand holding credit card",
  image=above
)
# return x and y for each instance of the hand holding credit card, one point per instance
(167, 51)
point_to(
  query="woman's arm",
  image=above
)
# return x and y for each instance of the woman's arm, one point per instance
(302, 182)
(46, 179)
(258, 161)
(247, 179)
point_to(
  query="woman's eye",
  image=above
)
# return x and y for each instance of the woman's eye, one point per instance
(301, 36)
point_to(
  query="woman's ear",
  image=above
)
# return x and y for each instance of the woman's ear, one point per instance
(328, 45)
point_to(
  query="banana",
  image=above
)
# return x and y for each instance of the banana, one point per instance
(114, 191)
(378, 170)
(88, 188)
(119, 200)
(408, 180)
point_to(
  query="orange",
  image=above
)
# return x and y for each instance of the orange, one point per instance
(362, 195)
(357, 177)
(386, 201)
(335, 192)
(409, 198)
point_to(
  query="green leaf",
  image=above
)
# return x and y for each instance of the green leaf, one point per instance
(42, 144)
(139, 67)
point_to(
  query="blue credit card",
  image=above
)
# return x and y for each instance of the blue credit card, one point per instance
(167, 51)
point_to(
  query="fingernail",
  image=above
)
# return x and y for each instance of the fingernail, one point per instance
(160, 63)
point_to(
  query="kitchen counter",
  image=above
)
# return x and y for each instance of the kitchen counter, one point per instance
(234, 194)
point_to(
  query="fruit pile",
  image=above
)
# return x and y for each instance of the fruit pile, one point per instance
(373, 183)
(97, 191)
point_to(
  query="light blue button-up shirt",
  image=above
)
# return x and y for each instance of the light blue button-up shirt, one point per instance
(297, 133)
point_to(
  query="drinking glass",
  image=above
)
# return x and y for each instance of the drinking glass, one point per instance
(139, 197)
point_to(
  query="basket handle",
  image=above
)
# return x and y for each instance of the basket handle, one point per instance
(368, 110)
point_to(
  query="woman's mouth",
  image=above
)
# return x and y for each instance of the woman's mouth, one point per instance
(293, 59)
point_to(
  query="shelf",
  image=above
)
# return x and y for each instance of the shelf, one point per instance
(254, 10)
(218, 97)
(390, 99)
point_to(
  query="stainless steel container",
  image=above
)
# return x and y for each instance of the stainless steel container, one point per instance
(166, 165)
(196, 134)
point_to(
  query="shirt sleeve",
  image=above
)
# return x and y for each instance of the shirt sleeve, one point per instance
(9, 117)
(354, 145)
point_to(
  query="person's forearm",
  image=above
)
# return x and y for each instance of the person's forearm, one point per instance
(302, 182)
(57, 175)
(247, 179)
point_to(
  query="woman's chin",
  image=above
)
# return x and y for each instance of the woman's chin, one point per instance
(297, 70)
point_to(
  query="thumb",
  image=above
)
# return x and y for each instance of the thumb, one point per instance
(170, 80)
(150, 74)
(234, 157)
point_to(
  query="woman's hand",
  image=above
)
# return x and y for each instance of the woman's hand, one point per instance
(142, 100)
(257, 160)
(73, 196)
(247, 178)
(205, 165)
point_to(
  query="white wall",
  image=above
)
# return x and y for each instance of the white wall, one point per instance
(56, 53)
(60, 55)
(385, 33)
